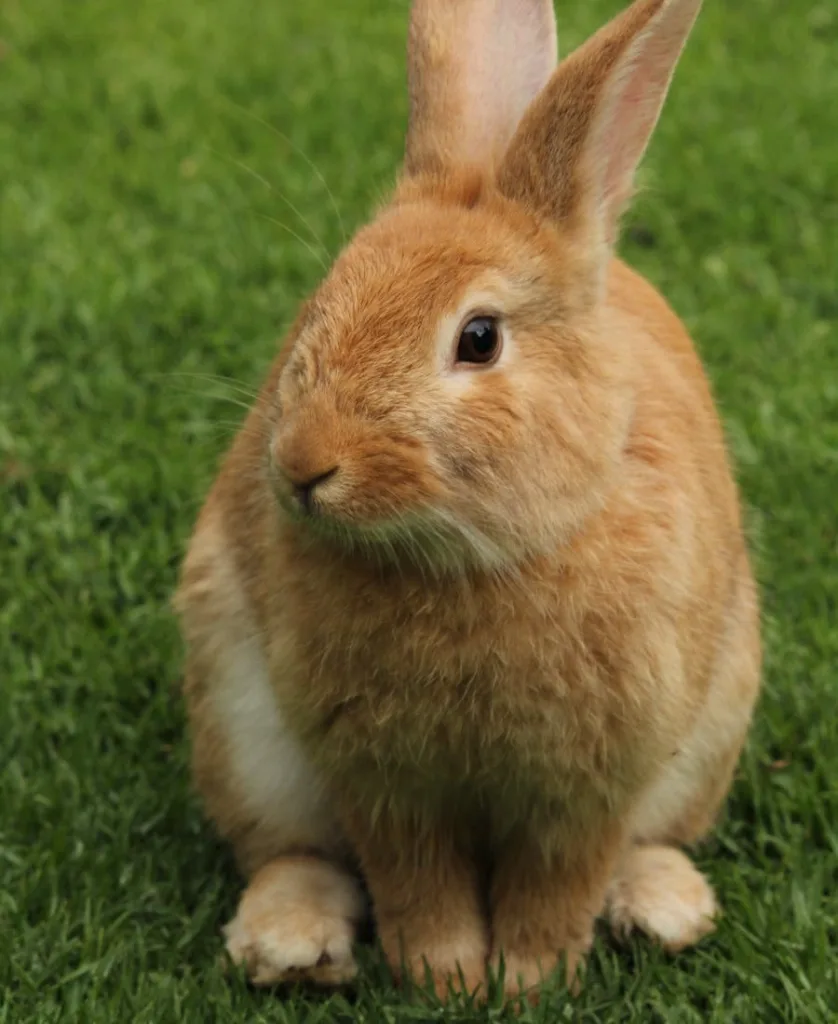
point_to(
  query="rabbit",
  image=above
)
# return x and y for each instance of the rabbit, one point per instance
(469, 617)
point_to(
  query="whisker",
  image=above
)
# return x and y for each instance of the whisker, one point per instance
(230, 382)
(247, 406)
(264, 181)
(228, 425)
(299, 238)
(289, 142)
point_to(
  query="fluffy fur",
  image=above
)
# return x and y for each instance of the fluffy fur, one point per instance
(505, 660)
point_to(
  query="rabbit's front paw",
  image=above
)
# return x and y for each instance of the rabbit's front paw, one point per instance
(523, 976)
(659, 891)
(296, 923)
(447, 973)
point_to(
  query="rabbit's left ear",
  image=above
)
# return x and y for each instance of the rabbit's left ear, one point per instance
(474, 66)
(575, 153)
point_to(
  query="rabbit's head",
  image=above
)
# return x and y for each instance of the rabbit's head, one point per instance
(459, 391)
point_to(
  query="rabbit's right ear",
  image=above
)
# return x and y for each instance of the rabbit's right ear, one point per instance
(575, 153)
(474, 66)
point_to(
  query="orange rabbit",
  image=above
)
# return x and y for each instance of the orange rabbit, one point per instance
(468, 609)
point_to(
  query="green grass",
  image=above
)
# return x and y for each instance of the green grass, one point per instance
(141, 180)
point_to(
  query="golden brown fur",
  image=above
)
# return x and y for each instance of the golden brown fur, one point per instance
(518, 636)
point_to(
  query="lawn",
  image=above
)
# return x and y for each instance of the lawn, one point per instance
(173, 173)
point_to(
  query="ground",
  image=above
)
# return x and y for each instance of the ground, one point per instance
(165, 166)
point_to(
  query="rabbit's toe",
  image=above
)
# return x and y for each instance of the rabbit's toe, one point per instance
(659, 891)
(296, 923)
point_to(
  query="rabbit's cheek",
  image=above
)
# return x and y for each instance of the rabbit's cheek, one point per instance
(388, 477)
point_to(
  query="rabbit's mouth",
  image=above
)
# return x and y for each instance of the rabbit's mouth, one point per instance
(377, 494)
(430, 541)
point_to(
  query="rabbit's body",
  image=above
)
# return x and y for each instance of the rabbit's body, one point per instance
(487, 671)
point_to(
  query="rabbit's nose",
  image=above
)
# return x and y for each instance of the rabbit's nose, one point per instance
(305, 453)
(303, 488)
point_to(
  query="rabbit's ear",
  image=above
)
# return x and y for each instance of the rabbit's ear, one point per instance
(474, 66)
(575, 152)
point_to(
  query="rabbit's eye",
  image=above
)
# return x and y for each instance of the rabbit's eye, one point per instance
(480, 341)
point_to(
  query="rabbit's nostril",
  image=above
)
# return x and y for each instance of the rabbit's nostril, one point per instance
(304, 489)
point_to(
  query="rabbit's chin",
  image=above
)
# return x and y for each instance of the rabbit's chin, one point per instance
(431, 541)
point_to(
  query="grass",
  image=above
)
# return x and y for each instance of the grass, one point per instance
(147, 151)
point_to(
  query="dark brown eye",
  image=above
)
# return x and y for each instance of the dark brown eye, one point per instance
(479, 341)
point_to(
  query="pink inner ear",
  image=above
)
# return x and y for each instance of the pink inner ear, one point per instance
(630, 123)
(635, 98)
(507, 57)
(474, 67)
